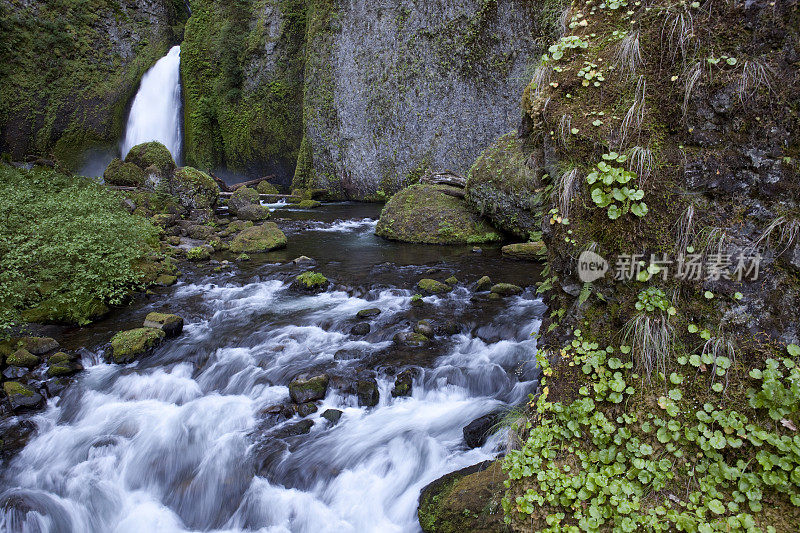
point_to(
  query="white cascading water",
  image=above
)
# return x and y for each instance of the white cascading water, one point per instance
(180, 441)
(155, 113)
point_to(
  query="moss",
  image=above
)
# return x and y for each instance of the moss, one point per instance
(59, 358)
(311, 280)
(257, 239)
(230, 118)
(149, 154)
(432, 286)
(80, 311)
(428, 214)
(22, 358)
(59, 370)
(195, 189)
(528, 251)
(266, 187)
(165, 280)
(198, 253)
(123, 173)
(304, 170)
(506, 289)
(127, 345)
(308, 204)
(14, 388)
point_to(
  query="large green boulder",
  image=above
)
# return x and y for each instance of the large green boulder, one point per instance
(245, 204)
(257, 239)
(124, 174)
(433, 214)
(526, 251)
(151, 153)
(128, 345)
(505, 186)
(194, 189)
(22, 358)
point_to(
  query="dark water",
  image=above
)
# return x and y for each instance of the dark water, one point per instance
(187, 440)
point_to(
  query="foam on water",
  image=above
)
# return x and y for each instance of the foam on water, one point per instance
(171, 443)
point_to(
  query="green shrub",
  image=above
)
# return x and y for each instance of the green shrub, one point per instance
(65, 240)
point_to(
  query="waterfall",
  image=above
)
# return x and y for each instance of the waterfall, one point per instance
(155, 113)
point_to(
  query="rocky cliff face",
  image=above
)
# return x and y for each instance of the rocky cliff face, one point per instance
(396, 88)
(242, 72)
(69, 69)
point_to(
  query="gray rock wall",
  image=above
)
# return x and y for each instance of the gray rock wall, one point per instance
(396, 87)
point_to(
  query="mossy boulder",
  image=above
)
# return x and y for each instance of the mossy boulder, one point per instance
(39, 345)
(308, 204)
(505, 185)
(368, 313)
(526, 251)
(311, 282)
(199, 253)
(484, 284)
(21, 397)
(433, 214)
(411, 338)
(466, 500)
(404, 383)
(153, 154)
(254, 212)
(194, 189)
(128, 345)
(165, 280)
(305, 388)
(506, 289)
(256, 239)
(62, 364)
(431, 286)
(22, 358)
(367, 392)
(266, 187)
(123, 174)
(171, 325)
(242, 197)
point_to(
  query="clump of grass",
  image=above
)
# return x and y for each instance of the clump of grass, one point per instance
(651, 339)
(564, 190)
(785, 229)
(565, 128)
(691, 77)
(685, 230)
(629, 54)
(755, 75)
(641, 162)
(678, 31)
(635, 115)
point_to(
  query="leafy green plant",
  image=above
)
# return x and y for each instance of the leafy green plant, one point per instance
(67, 245)
(609, 188)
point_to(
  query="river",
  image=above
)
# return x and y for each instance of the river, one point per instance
(187, 438)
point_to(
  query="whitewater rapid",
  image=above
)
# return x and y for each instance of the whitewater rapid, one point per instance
(180, 441)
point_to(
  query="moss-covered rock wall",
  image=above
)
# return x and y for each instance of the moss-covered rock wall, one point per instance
(242, 72)
(69, 69)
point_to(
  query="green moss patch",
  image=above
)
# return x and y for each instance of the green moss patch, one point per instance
(256, 239)
(153, 154)
(123, 173)
(127, 345)
(428, 214)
